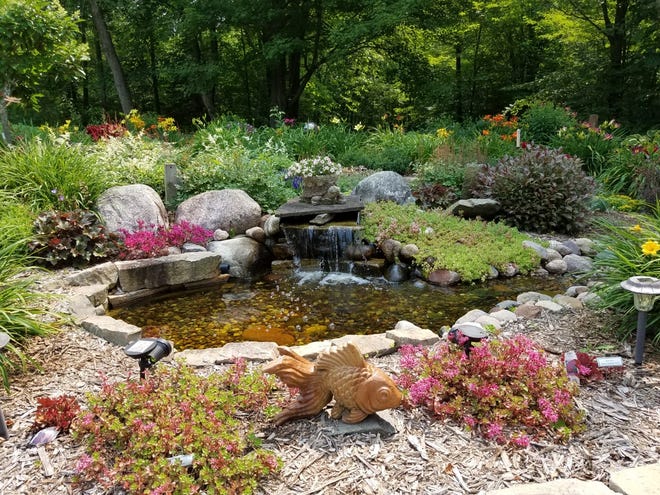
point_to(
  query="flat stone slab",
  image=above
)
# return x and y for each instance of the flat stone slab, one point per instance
(117, 332)
(556, 487)
(371, 424)
(369, 345)
(227, 354)
(406, 333)
(297, 208)
(641, 480)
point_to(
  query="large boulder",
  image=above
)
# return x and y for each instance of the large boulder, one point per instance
(247, 258)
(127, 207)
(384, 186)
(231, 210)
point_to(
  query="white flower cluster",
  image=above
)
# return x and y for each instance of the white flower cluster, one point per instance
(320, 165)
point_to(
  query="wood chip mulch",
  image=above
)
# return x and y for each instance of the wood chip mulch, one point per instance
(425, 456)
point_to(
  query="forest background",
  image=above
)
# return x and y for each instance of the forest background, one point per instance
(411, 63)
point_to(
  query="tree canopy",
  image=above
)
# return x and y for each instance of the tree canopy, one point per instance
(357, 60)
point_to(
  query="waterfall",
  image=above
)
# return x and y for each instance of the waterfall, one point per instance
(325, 244)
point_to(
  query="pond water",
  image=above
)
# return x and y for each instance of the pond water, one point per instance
(293, 306)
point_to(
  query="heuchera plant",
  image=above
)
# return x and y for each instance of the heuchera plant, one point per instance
(134, 431)
(506, 390)
(149, 241)
(56, 411)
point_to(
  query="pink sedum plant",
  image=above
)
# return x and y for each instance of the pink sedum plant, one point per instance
(149, 241)
(506, 390)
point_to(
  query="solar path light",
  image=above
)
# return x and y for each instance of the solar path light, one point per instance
(149, 351)
(645, 292)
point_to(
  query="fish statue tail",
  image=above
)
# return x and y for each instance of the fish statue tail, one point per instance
(296, 371)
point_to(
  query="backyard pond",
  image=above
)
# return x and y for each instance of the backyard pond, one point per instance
(294, 306)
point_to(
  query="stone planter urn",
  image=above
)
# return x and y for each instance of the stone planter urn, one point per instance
(320, 189)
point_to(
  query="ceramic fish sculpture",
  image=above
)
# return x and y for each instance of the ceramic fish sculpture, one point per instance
(358, 388)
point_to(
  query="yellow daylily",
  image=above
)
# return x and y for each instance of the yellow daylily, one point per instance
(636, 228)
(650, 248)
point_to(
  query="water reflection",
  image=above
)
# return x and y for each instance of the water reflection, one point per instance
(297, 307)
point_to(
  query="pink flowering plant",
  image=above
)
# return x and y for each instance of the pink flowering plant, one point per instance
(506, 390)
(149, 241)
(177, 432)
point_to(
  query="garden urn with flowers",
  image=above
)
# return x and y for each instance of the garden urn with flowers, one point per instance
(317, 179)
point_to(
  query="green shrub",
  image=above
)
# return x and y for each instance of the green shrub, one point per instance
(625, 251)
(134, 159)
(542, 121)
(391, 150)
(134, 431)
(51, 175)
(593, 145)
(72, 238)
(633, 169)
(21, 313)
(541, 190)
(260, 175)
(448, 242)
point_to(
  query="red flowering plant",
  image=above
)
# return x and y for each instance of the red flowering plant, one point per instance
(506, 390)
(149, 241)
(106, 130)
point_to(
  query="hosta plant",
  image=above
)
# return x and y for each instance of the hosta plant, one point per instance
(177, 432)
(506, 390)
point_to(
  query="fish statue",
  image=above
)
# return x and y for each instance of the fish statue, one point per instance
(359, 389)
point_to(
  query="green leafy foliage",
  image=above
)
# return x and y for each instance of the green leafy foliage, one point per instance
(633, 169)
(541, 122)
(627, 250)
(593, 145)
(260, 174)
(134, 428)
(135, 159)
(72, 238)
(506, 390)
(541, 190)
(22, 310)
(391, 150)
(48, 174)
(449, 242)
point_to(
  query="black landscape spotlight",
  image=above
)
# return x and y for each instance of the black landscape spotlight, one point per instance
(149, 351)
(645, 292)
(4, 432)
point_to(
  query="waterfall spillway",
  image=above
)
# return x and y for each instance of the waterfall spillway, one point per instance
(326, 244)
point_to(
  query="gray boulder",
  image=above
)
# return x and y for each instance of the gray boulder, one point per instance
(124, 207)
(247, 258)
(231, 210)
(384, 186)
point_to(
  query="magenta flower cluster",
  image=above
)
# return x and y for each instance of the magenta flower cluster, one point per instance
(506, 390)
(149, 241)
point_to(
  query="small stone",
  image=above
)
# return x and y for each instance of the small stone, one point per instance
(256, 233)
(220, 235)
(531, 296)
(556, 267)
(550, 306)
(470, 316)
(528, 310)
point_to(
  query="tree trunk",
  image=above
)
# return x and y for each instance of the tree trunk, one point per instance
(111, 55)
(458, 97)
(154, 72)
(5, 130)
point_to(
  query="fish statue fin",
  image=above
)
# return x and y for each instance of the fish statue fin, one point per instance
(296, 371)
(346, 355)
(293, 369)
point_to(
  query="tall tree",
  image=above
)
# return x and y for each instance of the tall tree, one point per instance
(38, 40)
(110, 53)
